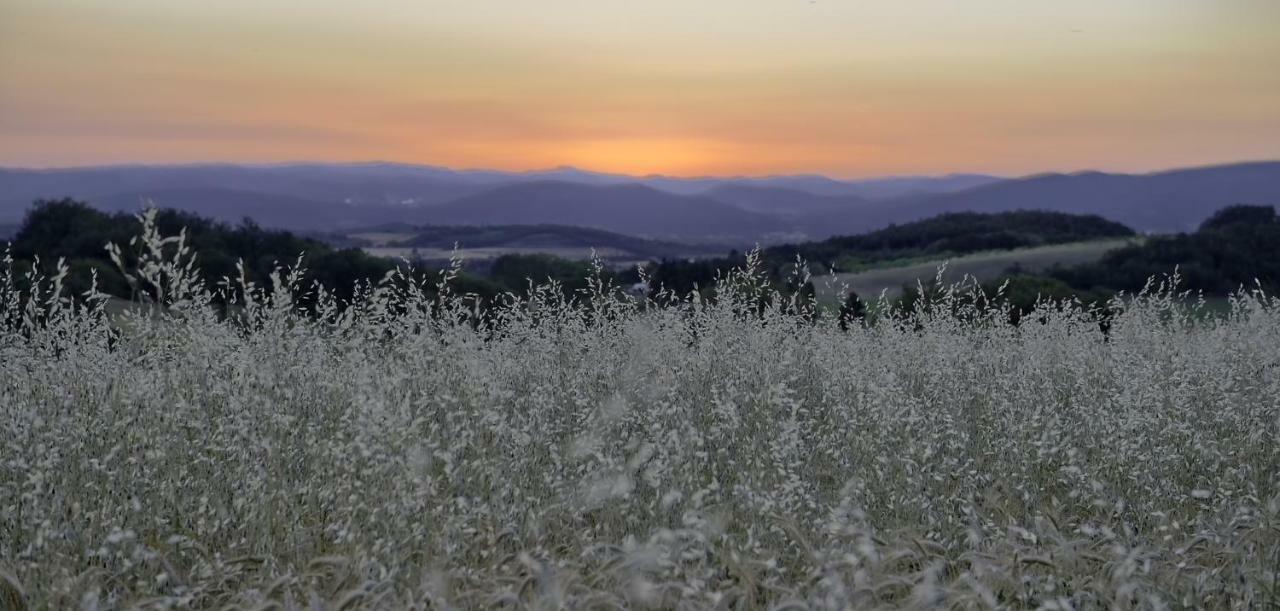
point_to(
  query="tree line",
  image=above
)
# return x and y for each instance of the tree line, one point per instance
(73, 231)
(1237, 247)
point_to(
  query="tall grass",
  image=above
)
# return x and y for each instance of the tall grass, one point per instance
(412, 451)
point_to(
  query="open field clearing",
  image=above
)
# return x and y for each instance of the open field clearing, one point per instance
(982, 266)
(492, 241)
(382, 238)
(577, 254)
(403, 453)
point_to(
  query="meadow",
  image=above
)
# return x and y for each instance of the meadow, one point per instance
(891, 276)
(412, 450)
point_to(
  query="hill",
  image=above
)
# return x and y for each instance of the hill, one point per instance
(1238, 247)
(1162, 202)
(900, 186)
(1235, 248)
(70, 230)
(927, 241)
(791, 204)
(631, 209)
(331, 183)
(73, 231)
(867, 188)
(891, 277)
(266, 209)
(548, 238)
(377, 184)
(738, 211)
(952, 234)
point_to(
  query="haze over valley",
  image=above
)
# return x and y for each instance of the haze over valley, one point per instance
(738, 212)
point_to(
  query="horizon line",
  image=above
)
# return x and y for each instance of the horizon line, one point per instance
(639, 177)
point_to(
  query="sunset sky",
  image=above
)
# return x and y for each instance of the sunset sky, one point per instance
(684, 87)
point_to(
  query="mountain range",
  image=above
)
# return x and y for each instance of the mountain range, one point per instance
(720, 210)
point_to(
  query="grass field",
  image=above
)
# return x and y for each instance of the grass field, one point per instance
(409, 452)
(891, 277)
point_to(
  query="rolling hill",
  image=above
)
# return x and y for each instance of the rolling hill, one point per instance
(331, 183)
(631, 209)
(736, 211)
(900, 186)
(890, 277)
(392, 183)
(1161, 202)
(266, 209)
(952, 233)
(547, 238)
(788, 203)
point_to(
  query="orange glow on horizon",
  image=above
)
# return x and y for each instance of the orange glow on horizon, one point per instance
(713, 87)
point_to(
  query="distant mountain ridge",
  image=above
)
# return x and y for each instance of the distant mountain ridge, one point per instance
(739, 211)
(784, 201)
(1169, 201)
(397, 182)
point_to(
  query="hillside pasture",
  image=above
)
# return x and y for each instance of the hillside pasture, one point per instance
(891, 276)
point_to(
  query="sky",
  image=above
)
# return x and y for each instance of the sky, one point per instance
(847, 88)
